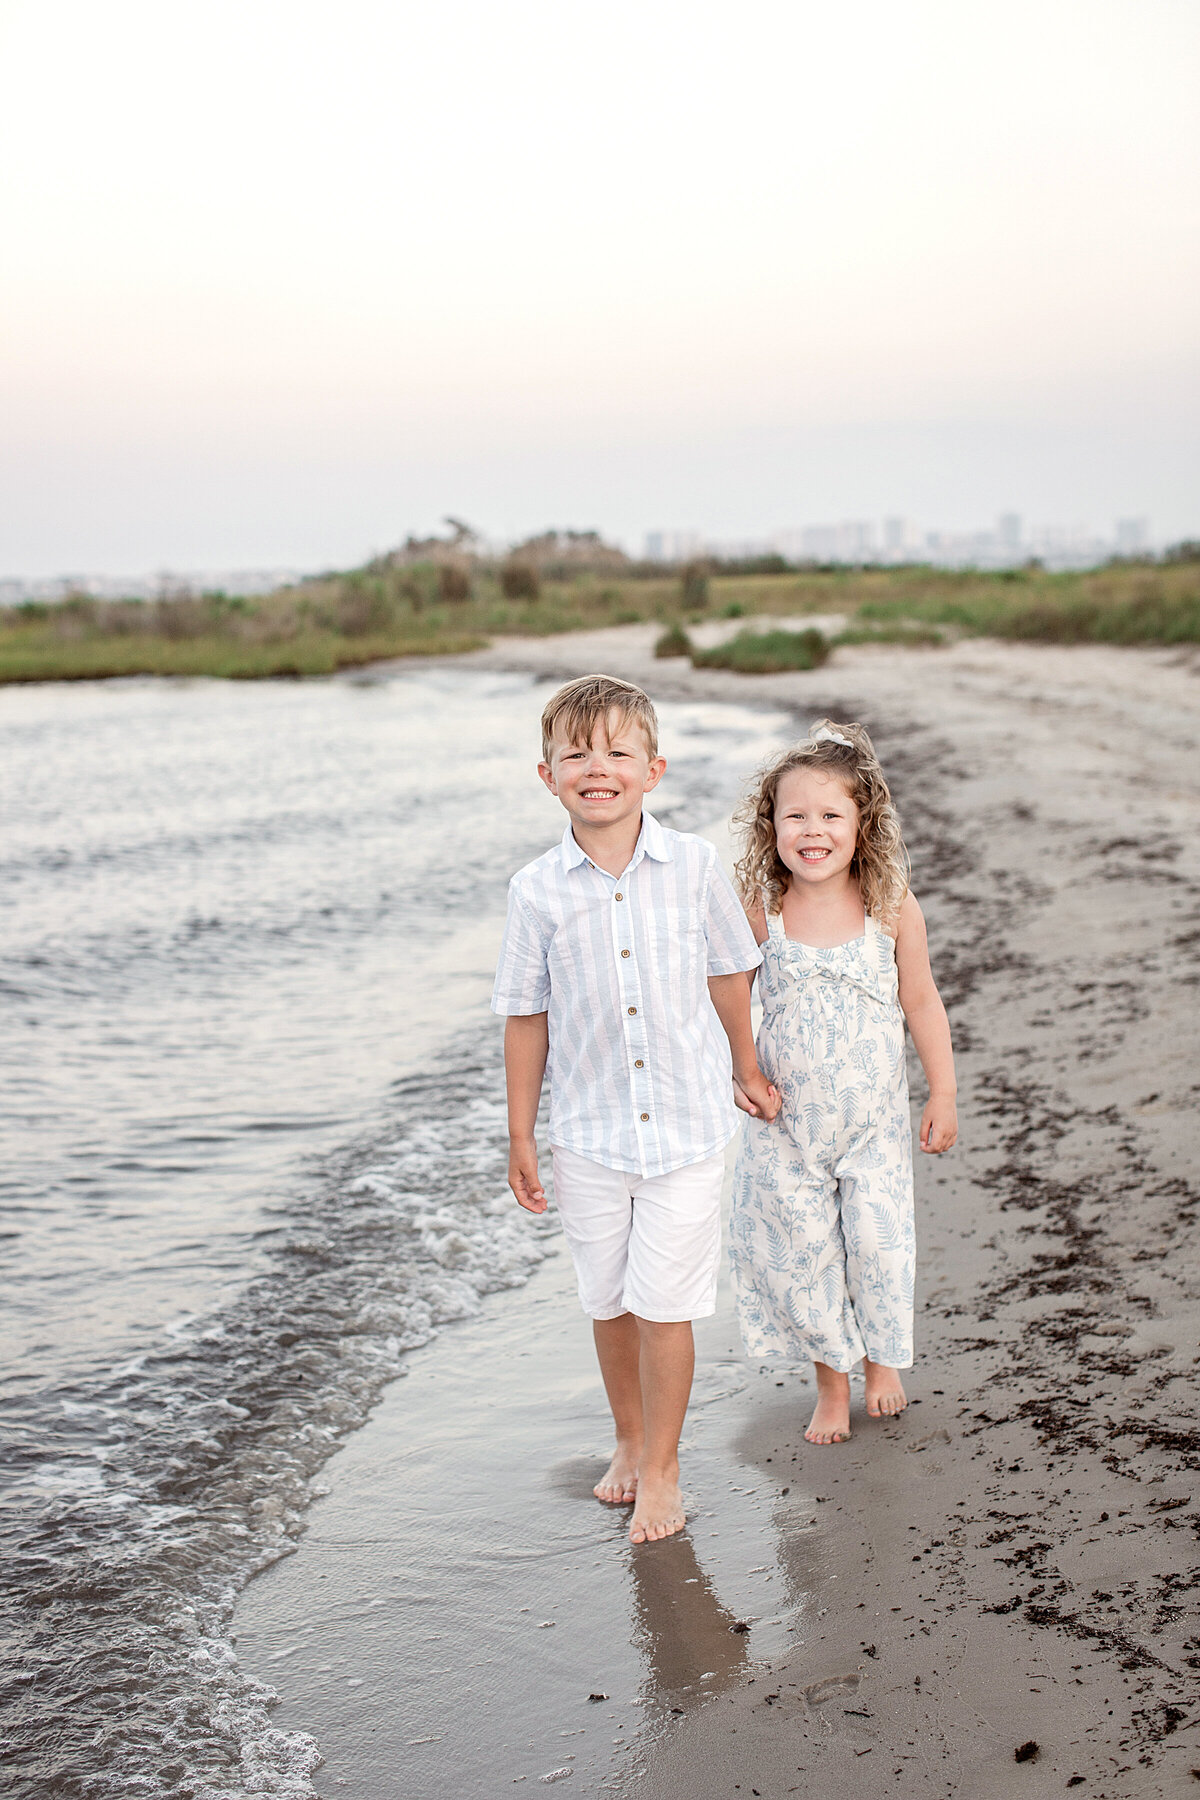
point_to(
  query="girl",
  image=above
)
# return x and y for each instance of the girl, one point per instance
(822, 1226)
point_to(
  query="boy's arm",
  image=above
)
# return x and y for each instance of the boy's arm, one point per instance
(926, 1019)
(526, 1042)
(731, 1001)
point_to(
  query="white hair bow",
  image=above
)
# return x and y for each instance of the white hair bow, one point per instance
(823, 735)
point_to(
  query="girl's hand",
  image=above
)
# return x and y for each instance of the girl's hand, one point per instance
(939, 1125)
(762, 1102)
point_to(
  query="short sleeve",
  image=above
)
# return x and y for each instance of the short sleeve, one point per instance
(731, 943)
(522, 976)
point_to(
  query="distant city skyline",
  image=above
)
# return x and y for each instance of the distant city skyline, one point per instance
(897, 539)
(892, 539)
(276, 294)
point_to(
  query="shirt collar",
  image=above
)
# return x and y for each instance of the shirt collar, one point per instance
(652, 842)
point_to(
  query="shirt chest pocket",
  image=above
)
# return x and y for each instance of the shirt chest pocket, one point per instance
(676, 940)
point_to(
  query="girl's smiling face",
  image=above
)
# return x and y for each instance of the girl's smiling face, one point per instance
(816, 827)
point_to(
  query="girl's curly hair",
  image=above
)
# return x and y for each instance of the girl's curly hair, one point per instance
(880, 863)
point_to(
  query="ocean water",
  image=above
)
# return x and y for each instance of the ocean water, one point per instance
(253, 1153)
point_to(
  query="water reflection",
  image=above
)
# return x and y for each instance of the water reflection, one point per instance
(687, 1636)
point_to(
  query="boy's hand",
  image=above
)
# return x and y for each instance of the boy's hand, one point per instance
(939, 1125)
(754, 1094)
(523, 1175)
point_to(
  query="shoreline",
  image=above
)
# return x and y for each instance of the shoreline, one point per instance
(1013, 1558)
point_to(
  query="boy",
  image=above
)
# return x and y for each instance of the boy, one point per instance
(616, 942)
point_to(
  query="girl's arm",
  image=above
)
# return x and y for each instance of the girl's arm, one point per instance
(926, 1018)
(757, 915)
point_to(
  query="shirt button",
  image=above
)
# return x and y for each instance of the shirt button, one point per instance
(638, 1063)
(624, 953)
(620, 896)
(632, 1010)
(645, 1118)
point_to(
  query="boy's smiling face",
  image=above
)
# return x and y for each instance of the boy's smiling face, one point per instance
(602, 784)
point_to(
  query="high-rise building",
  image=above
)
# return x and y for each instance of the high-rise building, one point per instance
(900, 536)
(673, 546)
(857, 539)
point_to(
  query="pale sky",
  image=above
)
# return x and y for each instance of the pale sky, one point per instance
(283, 280)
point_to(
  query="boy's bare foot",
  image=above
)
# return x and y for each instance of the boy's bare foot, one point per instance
(830, 1423)
(618, 1484)
(659, 1512)
(885, 1390)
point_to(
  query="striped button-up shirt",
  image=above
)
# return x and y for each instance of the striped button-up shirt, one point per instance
(639, 1067)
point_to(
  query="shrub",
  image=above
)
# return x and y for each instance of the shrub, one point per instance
(454, 580)
(766, 652)
(76, 616)
(694, 585)
(674, 641)
(362, 610)
(125, 617)
(519, 580)
(180, 616)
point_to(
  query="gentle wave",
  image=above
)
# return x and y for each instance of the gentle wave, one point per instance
(192, 1468)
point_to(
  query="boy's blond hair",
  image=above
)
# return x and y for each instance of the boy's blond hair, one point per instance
(573, 714)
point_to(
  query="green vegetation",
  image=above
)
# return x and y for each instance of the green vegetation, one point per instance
(1123, 603)
(82, 639)
(766, 652)
(673, 642)
(440, 598)
(893, 631)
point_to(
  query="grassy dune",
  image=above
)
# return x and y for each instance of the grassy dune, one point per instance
(391, 609)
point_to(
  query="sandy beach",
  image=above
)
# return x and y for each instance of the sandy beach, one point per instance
(995, 1594)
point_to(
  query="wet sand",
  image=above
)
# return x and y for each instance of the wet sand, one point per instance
(997, 1592)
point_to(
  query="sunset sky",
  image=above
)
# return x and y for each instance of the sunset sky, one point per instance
(284, 282)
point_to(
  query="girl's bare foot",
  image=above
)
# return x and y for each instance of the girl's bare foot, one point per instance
(885, 1390)
(659, 1512)
(830, 1423)
(618, 1484)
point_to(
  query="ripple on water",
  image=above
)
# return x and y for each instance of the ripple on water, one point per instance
(193, 1466)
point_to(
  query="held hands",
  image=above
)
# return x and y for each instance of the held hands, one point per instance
(523, 1175)
(939, 1125)
(754, 1094)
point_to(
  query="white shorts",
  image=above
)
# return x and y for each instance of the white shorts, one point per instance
(644, 1244)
